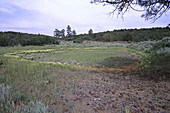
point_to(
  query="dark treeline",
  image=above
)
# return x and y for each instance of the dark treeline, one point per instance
(135, 35)
(11, 38)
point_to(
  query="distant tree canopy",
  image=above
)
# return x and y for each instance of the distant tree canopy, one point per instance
(69, 32)
(74, 32)
(90, 32)
(152, 9)
(135, 35)
(168, 25)
(11, 38)
(59, 34)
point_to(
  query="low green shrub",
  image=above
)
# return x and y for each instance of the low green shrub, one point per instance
(154, 64)
(167, 41)
(9, 100)
(77, 41)
(116, 62)
(147, 46)
(156, 60)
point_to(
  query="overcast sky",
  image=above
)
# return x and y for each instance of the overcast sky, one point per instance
(43, 16)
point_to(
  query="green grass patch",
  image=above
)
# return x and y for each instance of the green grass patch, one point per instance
(91, 57)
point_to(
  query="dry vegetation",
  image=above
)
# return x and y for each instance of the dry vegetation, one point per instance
(28, 83)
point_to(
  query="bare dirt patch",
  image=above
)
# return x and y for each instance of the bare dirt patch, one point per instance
(105, 92)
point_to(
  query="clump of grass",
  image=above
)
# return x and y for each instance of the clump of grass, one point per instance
(16, 74)
(14, 102)
(9, 100)
(116, 62)
(34, 107)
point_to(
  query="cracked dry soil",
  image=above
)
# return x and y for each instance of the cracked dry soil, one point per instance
(90, 92)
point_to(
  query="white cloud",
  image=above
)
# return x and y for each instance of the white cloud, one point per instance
(80, 14)
(6, 10)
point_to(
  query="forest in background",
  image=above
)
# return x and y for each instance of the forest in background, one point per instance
(135, 35)
(11, 38)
